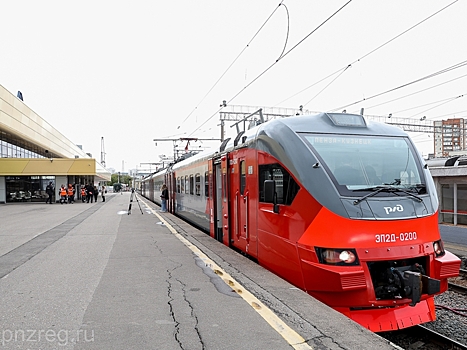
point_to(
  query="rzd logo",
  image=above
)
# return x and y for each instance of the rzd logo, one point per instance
(394, 209)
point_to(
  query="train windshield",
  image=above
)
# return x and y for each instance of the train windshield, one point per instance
(358, 163)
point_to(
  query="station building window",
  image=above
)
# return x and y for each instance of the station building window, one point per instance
(27, 188)
(447, 202)
(462, 204)
(11, 150)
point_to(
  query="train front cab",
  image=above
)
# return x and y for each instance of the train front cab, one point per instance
(284, 240)
(383, 287)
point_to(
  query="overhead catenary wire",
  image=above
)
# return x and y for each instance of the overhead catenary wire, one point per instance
(450, 114)
(316, 83)
(416, 92)
(407, 30)
(424, 105)
(319, 93)
(288, 30)
(445, 70)
(233, 62)
(273, 64)
(367, 54)
(438, 105)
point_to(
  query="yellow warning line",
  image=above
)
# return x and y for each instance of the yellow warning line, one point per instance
(292, 337)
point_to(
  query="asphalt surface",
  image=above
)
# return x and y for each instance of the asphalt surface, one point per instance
(454, 238)
(90, 276)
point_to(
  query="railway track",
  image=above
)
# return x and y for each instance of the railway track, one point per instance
(459, 284)
(422, 338)
(434, 339)
(447, 332)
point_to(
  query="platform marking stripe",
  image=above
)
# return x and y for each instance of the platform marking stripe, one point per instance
(293, 338)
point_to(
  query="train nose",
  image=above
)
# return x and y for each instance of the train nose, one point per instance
(407, 282)
(416, 284)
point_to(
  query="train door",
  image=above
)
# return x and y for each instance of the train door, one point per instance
(151, 188)
(220, 208)
(243, 235)
(224, 189)
(171, 184)
(213, 214)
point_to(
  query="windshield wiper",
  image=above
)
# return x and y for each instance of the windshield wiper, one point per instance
(419, 188)
(378, 189)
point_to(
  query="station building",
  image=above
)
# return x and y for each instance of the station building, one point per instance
(33, 153)
(450, 177)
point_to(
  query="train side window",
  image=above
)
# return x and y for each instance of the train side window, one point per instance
(286, 187)
(192, 185)
(242, 177)
(178, 184)
(198, 184)
(206, 183)
(182, 185)
(187, 184)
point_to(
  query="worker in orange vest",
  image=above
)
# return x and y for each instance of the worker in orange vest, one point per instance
(63, 194)
(71, 194)
(83, 194)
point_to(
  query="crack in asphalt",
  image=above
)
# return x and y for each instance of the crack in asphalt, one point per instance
(272, 301)
(172, 283)
(193, 314)
(171, 308)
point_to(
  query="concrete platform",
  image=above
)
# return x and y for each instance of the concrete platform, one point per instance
(454, 238)
(90, 276)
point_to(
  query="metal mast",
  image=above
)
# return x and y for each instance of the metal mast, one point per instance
(187, 139)
(102, 152)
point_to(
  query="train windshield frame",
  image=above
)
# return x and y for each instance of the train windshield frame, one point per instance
(362, 163)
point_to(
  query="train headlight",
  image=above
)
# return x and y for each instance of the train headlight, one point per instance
(438, 248)
(347, 256)
(343, 257)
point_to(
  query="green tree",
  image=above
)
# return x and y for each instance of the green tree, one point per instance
(124, 179)
(113, 179)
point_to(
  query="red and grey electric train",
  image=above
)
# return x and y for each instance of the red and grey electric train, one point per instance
(341, 207)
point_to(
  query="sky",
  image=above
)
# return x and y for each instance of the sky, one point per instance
(131, 72)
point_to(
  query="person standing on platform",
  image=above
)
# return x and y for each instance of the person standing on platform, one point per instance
(96, 193)
(103, 192)
(83, 193)
(50, 192)
(89, 193)
(63, 195)
(71, 194)
(164, 197)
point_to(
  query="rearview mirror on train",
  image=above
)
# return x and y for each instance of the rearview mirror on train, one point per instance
(270, 194)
